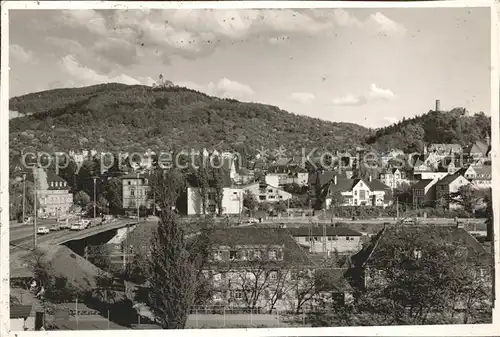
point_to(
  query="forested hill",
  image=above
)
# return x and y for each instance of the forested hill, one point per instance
(455, 126)
(117, 117)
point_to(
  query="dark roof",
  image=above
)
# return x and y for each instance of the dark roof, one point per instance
(477, 147)
(448, 179)
(20, 311)
(420, 185)
(293, 254)
(318, 231)
(53, 177)
(331, 280)
(324, 177)
(368, 255)
(377, 185)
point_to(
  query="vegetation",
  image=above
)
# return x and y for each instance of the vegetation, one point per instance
(424, 278)
(164, 119)
(410, 135)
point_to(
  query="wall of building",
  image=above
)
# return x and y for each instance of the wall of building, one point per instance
(269, 194)
(55, 202)
(342, 244)
(140, 193)
(232, 201)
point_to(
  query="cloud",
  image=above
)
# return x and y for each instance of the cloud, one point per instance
(198, 32)
(379, 93)
(374, 94)
(20, 54)
(302, 97)
(83, 75)
(224, 88)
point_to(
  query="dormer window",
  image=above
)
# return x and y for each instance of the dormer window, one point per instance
(417, 253)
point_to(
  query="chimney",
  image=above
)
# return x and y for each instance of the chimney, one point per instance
(370, 178)
(438, 105)
(335, 180)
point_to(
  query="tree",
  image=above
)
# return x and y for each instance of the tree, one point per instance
(424, 275)
(16, 198)
(337, 199)
(250, 201)
(113, 193)
(467, 197)
(82, 199)
(218, 186)
(172, 268)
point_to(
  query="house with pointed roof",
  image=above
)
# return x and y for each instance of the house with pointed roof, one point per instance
(477, 150)
(448, 185)
(444, 149)
(394, 178)
(479, 176)
(135, 189)
(359, 192)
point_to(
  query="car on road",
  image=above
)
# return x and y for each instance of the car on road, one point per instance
(253, 220)
(55, 227)
(77, 227)
(43, 230)
(408, 221)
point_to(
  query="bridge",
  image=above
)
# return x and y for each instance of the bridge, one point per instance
(21, 238)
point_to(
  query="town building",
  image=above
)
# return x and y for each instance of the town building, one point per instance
(53, 193)
(358, 192)
(265, 192)
(263, 268)
(368, 269)
(231, 199)
(479, 176)
(394, 178)
(22, 317)
(327, 239)
(423, 192)
(449, 185)
(443, 150)
(135, 190)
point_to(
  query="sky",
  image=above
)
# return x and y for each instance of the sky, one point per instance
(366, 66)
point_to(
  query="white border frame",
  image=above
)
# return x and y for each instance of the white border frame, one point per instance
(429, 330)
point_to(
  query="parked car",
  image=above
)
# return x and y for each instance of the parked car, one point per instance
(43, 230)
(44, 216)
(253, 220)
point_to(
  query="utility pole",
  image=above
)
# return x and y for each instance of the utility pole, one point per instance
(239, 206)
(94, 199)
(35, 209)
(397, 208)
(24, 197)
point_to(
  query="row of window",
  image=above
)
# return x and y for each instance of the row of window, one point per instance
(58, 184)
(239, 295)
(330, 238)
(247, 254)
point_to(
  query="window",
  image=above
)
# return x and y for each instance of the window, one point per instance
(270, 190)
(235, 193)
(329, 238)
(262, 197)
(218, 255)
(217, 297)
(417, 253)
(132, 192)
(281, 197)
(347, 238)
(316, 238)
(356, 192)
(128, 182)
(238, 295)
(233, 254)
(272, 254)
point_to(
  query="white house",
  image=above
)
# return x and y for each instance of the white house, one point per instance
(266, 192)
(359, 192)
(53, 193)
(393, 178)
(232, 201)
(449, 185)
(480, 176)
